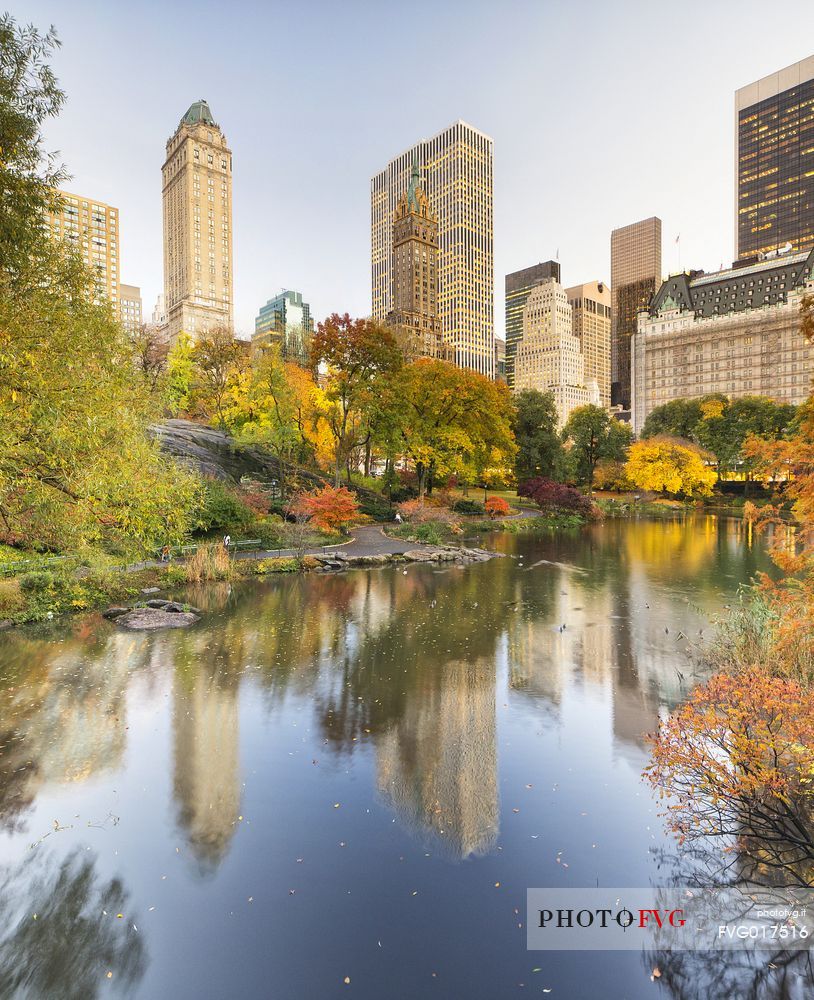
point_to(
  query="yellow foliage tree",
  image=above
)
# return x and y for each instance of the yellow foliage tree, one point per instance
(670, 465)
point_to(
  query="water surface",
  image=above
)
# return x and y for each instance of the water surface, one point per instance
(352, 775)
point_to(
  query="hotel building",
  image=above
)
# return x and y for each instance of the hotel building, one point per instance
(735, 332)
(197, 202)
(456, 167)
(774, 162)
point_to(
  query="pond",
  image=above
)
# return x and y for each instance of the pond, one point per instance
(353, 776)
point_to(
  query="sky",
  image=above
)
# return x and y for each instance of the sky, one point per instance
(602, 113)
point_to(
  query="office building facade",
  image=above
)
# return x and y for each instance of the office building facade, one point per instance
(197, 204)
(591, 325)
(285, 321)
(735, 332)
(635, 276)
(548, 356)
(93, 228)
(518, 285)
(130, 308)
(456, 168)
(774, 162)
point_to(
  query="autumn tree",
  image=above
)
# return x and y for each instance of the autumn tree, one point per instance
(539, 448)
(218, 358)
(356, 356)
(670, 465)
(450, 420)
(329, 509)
(735, 764)
(496, 507)
(150, 350)
(591, 434)
(276, 404)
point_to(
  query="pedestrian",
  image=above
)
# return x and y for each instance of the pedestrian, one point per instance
(227, 541)
(398, 518)
(165, 554)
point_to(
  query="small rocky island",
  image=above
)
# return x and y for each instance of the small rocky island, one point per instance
(154, 614)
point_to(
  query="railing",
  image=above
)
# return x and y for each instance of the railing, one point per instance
(28, 565)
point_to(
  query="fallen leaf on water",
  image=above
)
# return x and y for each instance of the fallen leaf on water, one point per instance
(656, 974)
(497, 885)
(347, 980)
(110, 975)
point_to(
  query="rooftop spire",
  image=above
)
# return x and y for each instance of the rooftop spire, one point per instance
(199, 112)
(415, 180)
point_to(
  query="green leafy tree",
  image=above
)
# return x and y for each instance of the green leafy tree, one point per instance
(180, 375)
(539, 448)
(678, 418)
(451, 420)
(591, 434)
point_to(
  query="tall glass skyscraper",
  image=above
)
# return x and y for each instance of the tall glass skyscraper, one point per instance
(774, 161)
(285, 321)
(456, 168)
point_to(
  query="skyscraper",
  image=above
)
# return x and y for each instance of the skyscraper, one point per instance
(197, 199)
(548, 357)
(414, 316)
(774, 162)
(518, 286)
(286, 321)
(93, 228)
(635, 276)
(456, 166)
(130, 308)
(591, 324)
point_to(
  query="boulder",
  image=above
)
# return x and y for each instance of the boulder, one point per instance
(115, 612)
(151, 590)
(142, 619)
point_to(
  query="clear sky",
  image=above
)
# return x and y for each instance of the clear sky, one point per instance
(602, 113)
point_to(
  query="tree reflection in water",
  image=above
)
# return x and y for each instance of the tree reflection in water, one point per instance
(70, 948)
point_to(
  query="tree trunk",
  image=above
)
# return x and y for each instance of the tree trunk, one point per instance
(368, 450)
(420, 472)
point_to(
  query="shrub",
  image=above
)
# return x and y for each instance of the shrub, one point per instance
(269, 531)
(551, 496)
(222, 508)
(11, 600)
(431, 533)
(497, 507)
(328, 509)
(465, 506)
(277, 565)
(418, 512)
(402, 493)
(37, 581)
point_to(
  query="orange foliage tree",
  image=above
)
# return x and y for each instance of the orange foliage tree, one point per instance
(329, 508)
(736, 762)
(791, 597)
(496, 507)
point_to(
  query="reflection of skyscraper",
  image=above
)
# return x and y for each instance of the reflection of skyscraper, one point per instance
(437, 766)
(207, 767)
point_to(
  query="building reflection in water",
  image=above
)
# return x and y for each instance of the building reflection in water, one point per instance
(437, 765)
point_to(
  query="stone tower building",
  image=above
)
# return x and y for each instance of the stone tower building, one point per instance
(415, 276)
(197, 201)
